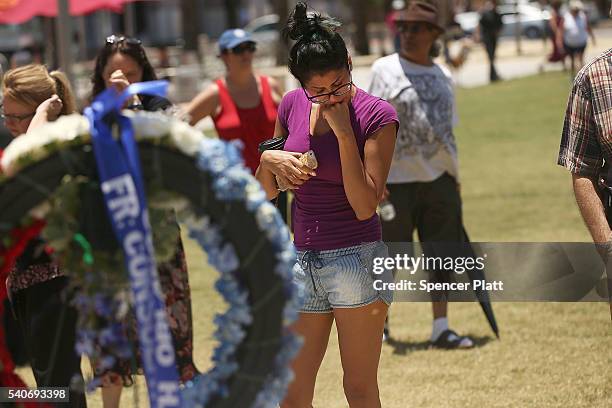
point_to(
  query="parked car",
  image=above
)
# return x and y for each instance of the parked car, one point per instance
(265, 30)
(533, 20)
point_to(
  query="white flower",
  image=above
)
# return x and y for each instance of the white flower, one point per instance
(32, 145)
(186, 138)
(149, 125)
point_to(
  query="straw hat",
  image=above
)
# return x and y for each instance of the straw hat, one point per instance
(419, 12)
(576, 5)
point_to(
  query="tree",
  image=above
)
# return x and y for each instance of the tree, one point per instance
(360, 18)
(603, 6)
(231, 13)
(190, 14)
(282, 51)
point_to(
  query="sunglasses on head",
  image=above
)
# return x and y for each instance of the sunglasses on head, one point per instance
(242, 48)
(115, 39)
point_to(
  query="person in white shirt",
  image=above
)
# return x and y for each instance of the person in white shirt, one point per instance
(575, 31)
(422, 183)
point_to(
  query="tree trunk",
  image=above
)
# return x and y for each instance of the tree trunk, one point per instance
(282, 50)
(388, 7)
(603, 6)
(190, 13)
(360, 17)
(231, 13)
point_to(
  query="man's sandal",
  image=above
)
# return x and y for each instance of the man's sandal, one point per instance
(449, 340)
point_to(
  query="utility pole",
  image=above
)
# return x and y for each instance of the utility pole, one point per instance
(282, 51)
(64, 39)
(517, 29)
(190, 21)
(128, 19)
(360, 17)
(231, 10)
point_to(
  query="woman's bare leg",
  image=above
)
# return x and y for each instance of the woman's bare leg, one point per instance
(111, 395)
(315, 329)
(360, 338)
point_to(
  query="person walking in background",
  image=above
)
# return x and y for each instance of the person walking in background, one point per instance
(488, 30)
(242, 104)
(36, 286)
(452, 33)
(575, 31)
(586, 149)
(422, 183)
(336, 229)
(121, 62)
(555, 26)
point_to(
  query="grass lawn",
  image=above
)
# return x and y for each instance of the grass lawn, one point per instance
(550, 354)
(508, 137)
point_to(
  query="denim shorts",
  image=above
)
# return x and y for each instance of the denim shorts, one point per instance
(341, 278)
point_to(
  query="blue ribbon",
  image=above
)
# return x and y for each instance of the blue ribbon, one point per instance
(123, 189)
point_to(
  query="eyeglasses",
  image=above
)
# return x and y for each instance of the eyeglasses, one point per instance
(115, 39)
(242, 48)
(323, 98)
(16, 118)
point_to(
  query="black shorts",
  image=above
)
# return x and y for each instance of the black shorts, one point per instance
(569, 50)
(433, 209)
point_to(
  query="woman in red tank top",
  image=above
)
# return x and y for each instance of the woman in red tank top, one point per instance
(241, 104)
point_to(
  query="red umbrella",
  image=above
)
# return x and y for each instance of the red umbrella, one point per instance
(20, 11)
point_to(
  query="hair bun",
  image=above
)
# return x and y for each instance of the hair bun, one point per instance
(301, 25)
(299, 14)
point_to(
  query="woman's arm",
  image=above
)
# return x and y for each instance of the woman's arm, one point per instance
(263, 173)
(559, 36)
(552, 24)
(47, 111)
(590, 30)
(282, 164)
(266, 178)
(204, 104)
(364, 182)
(276, 89)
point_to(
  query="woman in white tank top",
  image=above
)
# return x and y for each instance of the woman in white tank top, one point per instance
(575, 28)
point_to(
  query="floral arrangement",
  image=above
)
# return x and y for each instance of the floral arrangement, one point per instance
(103, 296)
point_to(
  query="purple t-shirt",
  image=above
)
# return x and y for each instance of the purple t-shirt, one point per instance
(322, 217)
